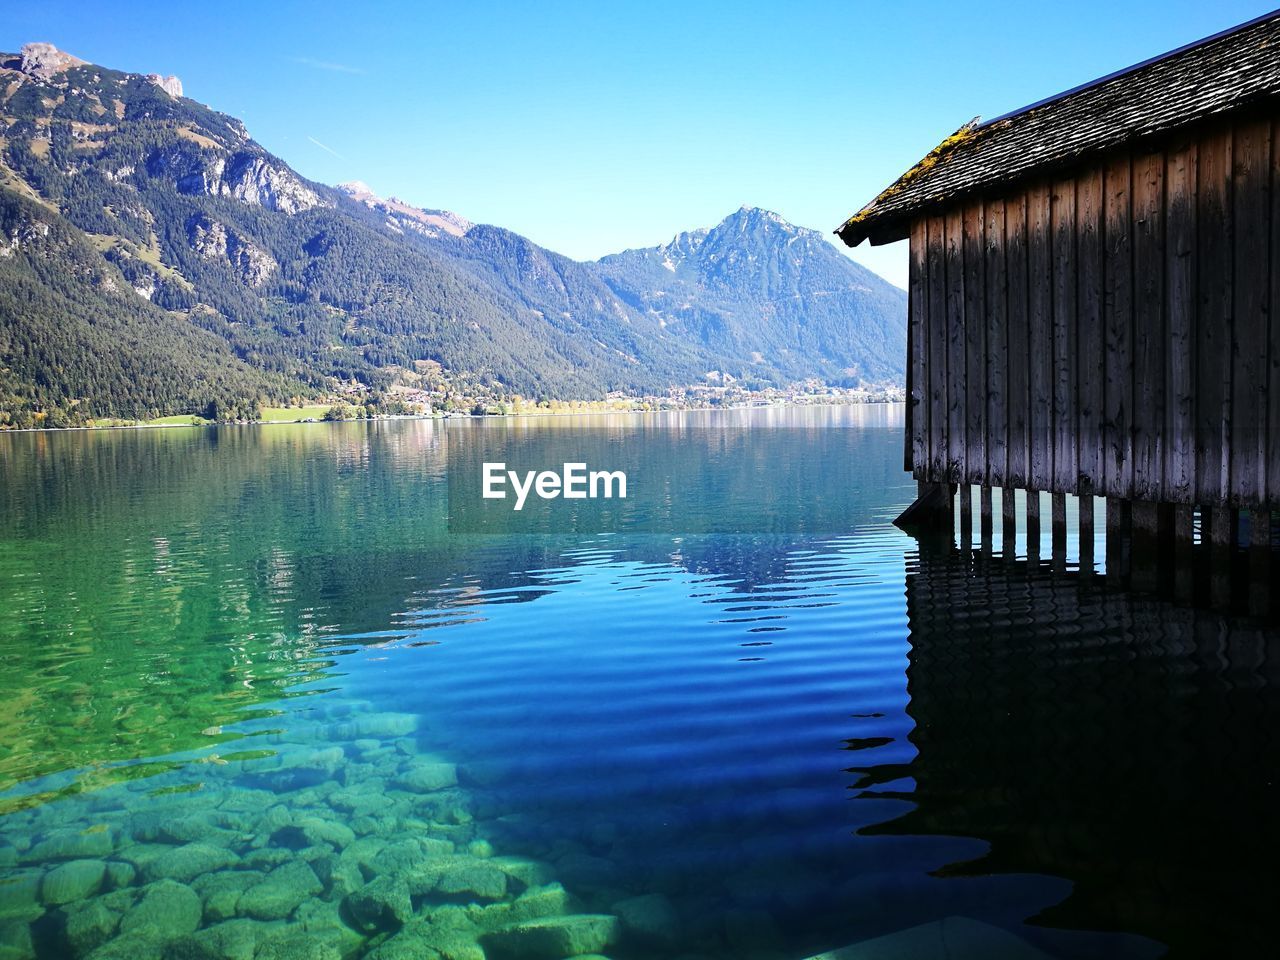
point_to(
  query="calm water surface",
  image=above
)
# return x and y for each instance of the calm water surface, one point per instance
(262, 698)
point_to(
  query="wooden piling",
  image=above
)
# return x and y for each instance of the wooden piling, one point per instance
(1033, 526)
(1118, 514)
(1058, 506)
(1223, 532)
(966, 516)
(1144, 550)
(1086, 535)
(1008, 522)
(1183, 552)
(1260, 562)
(985, 519)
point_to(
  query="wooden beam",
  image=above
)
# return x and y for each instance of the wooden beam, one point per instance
(1058, 506)
(1149, 340)
(1260, 562)
(997, 295)
(1213, 322)
(1250, 214)
(1180, 320)
(1183, 552)
(1040, 435)
(1017, 307)
(1033, 526)
(957, 382)
(1090, 333)
(975, 345)
(985, 519)
(1008, 522)
(1117, 316)
(1223, 537)
(1086, 535)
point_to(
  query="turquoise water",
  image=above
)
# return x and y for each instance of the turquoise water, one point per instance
(276, 692)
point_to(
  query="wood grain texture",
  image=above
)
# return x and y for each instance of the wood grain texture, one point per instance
(1090, 372)
(1114, 332)
(1065, 422)
(1149, 338)
(1040, 336)
(1250, 284)
(1213, 309)
(1117, 314)
(975, 344)
(953, 257)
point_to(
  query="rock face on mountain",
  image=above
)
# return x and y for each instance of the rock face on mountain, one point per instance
(770, 295)
(402, 216)
(170, 84)
(124, 200)
(43, 60)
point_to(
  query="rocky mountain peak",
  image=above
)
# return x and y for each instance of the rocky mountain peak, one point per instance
(403, 216)
(170, 84)
(44, 61)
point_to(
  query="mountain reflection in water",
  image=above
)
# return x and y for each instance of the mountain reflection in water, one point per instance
(741, 717)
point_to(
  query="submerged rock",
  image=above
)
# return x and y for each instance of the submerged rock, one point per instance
(189, 861)
(220, 892)
(381, 905)
(20, 895)
(234, 939)
(472, 880)
(72, 881)
(427, 777)
(551, 938)
(168, 910)
(120, 875)
(92, 844)
(649, 919)
(280, 893)
(16, 942)
(90, 926)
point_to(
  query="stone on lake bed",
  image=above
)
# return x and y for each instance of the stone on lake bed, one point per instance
(168, 910)
(382, 904)
(369, 726)
(280, 893)
(189, 861)
(234, 939)
(20, 895)
(296, 945)
(92, 844)
(650, 919)
(221, 892)
(473, 880)
(75, 880)
(120, 875)
(16, 942)
(427, 777)
(551, 900)
(90, 926)
(551, 938)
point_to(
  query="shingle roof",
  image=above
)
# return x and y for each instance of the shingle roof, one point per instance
(1223, 72)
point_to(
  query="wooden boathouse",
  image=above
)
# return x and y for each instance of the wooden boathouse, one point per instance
(1094, 305)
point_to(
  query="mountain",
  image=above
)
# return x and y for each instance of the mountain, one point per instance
(155, 259)
(764, 294)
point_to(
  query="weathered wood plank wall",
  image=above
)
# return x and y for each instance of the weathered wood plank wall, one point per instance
(1112, 332)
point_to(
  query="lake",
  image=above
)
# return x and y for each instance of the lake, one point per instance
(292, 691)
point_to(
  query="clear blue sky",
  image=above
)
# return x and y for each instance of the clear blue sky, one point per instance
(592, 128)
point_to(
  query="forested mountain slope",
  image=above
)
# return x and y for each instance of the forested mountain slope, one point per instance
(155, 259)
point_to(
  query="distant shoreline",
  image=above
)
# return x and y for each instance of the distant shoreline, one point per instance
(449, 416)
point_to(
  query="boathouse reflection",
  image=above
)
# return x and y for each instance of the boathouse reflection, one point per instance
(1124, 743)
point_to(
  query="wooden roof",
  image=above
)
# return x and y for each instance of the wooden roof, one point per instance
(1224, 72)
